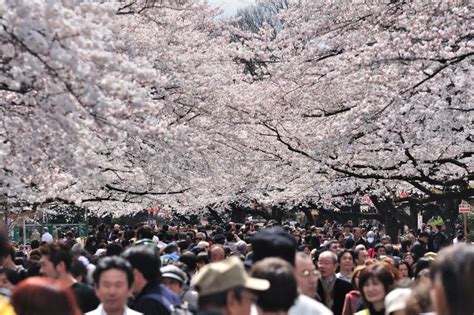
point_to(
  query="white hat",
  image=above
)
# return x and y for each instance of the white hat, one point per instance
(396, 300)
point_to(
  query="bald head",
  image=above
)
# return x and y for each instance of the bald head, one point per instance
(216, 253)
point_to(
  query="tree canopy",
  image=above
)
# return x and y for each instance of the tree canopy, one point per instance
(119, 107)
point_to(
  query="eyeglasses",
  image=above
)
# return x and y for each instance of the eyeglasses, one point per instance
(325, 262)
(308, 273)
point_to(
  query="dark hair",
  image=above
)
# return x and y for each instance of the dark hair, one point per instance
(144, 231)
(454, 268)
(410, 271)
(202, 257)
(34, 244)
(33, 269)
(349, 243)
(379, 271)
(58, 252)
(283, 288)
(146, 260)
(219, 299)
(189, 259)
(114, 249)
(78, 269)
(12, 276)
(330, 243)
(422, 263)
(379, 246)
(44, 296)
(404, 246)
(339, 256)
(113, 262)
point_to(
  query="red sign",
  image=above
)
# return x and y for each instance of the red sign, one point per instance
(464, 207)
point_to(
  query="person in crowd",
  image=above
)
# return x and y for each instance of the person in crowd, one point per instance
(334, 246)
(420, 248)
(202, 259)
(360, 256)
(358, 239)
(352, 300)
(379, 250)
(189, 259)
(405, 274)
(151, 296)
(282, 293)
(346, 265)
(56, 261)
(170, 254)
(306, 275)
(113, 278)
(371, 239)
(419, 301)
(307, 302)
(331, 289)
(8, 279)
(375, 282)
(408, 258)
(452, 275)
(204, 245)
(225, 288)
(175, 279)
(46, 236)
(216, 253)
(43, 296)
(275, 242)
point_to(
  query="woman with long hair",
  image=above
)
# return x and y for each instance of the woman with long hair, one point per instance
(375, 282)
(352, 299)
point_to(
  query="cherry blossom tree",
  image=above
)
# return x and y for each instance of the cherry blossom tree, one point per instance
(163, 104)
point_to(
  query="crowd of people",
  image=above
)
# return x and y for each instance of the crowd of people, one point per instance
(242, 269)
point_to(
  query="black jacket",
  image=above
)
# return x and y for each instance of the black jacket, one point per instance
(146, 304)
(341, 288)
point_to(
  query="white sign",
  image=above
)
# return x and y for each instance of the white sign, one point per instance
(420, 221)
(464, 207)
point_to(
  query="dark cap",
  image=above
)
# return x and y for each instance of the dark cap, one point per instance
(274, 242)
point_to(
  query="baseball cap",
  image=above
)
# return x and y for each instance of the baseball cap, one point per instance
(225, 275)
(174, 272)
(396, 300)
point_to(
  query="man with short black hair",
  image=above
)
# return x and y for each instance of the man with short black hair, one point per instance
(152, 297)
(113, 280)
(361, 255)
(56, 261)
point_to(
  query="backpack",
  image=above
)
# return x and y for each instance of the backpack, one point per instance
(173, 309)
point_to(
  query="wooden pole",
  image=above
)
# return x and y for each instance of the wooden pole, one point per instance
(465, 226)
